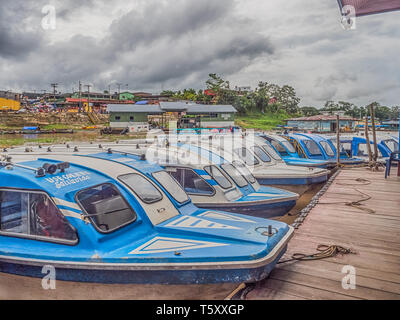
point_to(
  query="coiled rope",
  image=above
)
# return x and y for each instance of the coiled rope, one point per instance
(324, 252)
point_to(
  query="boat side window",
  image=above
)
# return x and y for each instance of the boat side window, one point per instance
(218, 176)
(392, 145)
(362, 150)
(281, 149)
(271, 151)
(142, 187)
(191, 182)
(246, 156)
(288, 146)
(34, 215)
(236, 176)
(260, 153)
(106, 207)
(172, 186)
(244, 171)
(328, 149)
(313, 148)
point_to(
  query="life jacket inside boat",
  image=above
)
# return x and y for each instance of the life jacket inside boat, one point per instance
(101, 221)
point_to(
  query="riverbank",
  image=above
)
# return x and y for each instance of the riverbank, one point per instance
(265, 122)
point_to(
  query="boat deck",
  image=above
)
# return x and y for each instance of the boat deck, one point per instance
(374, 236)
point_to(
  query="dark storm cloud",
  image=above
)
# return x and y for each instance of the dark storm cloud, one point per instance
(17, 39)
(160, 43)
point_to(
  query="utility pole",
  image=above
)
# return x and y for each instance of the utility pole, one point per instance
(54, 85)
(119, 90)
(80, 96)
(88, 90)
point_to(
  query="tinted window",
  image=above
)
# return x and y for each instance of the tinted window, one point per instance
(218, 176)
(191, 182)
(392, 145)
(313, 148)
(142, 187)
(246, 156)
(234, 174)
(260, 153)
(288, 146)
(106, 207)
(171, 185)
(280, 148)
(271, 151)
(327, 147)
(33, 215)
(244, 171)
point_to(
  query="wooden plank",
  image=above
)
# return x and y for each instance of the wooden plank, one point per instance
(332, 285)
(375, 237)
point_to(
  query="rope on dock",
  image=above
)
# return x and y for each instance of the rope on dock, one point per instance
(324, 252)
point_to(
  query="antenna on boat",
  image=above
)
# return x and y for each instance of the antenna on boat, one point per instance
(141, 155)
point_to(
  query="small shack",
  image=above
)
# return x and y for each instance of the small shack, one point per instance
(182, 114)
(322, 123)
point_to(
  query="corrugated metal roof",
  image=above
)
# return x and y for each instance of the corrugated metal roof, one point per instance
(322, 118)
(149, 108)
(367, 7)
(203, 108)
(172, 107)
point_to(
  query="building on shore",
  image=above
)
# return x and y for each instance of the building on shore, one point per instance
(9, 101)
(322, 123)
(138, 117)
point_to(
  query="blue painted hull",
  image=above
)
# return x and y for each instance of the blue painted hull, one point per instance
(292, 181)
(267, 210)
(167, 277)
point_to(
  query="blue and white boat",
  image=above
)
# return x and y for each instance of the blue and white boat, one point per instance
(101, 221)
(265, 163)
(289, 154)
(388, 145)
(359, 149)
(214, 183)
(315, 146)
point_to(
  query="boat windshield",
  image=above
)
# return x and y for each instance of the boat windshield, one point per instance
(234, 174)
(288, 146)
(260, 153)
(172, 186)
(271, 151)
(218, 176)
(328, 149)
(106, 207)
(142, 187)
(244, 171)
(191, 182)
(247, 156)
(281, 149)
(392, 145)
(312, 148)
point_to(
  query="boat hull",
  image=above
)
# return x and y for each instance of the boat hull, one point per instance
(13, 287)
(241, 272)
(266, 210)
(303, 181)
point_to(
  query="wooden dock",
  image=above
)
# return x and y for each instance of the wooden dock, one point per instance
(374, 236)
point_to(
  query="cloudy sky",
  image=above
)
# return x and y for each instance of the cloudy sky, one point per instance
(153, 45)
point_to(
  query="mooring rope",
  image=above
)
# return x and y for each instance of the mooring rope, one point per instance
(324, 252)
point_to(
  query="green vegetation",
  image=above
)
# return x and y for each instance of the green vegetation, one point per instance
(266, 122)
